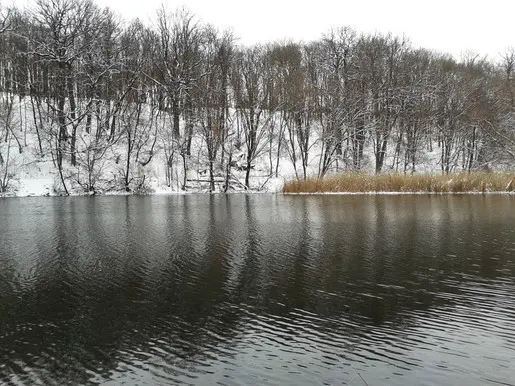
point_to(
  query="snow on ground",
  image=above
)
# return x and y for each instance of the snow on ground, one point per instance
(29, 173)
(38, 176)
(34, 187)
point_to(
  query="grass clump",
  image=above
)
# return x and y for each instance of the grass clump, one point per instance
(421, 183)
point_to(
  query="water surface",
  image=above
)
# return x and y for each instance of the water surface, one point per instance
(259, 289)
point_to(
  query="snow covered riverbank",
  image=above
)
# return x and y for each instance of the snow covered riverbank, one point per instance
(153, 164)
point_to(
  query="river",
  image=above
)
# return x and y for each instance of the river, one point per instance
(258, 289)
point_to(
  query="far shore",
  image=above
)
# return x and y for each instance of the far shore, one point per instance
(344, 184)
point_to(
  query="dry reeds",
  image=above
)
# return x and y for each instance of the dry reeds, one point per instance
(423, 183)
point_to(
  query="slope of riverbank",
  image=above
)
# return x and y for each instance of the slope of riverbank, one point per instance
(154, 164)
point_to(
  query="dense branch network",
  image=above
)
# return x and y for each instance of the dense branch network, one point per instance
(182, 89)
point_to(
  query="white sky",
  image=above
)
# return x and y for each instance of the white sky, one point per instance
(454, 26)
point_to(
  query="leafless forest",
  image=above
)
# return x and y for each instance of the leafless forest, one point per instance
(81, 81)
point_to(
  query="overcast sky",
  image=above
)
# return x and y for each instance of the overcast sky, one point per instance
(454, 26)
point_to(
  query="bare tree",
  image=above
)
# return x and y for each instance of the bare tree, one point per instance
(62, 25)
(5, 20)
(336, 53)
(7, 135)
(212, 95)
(180, 37)
(294, 98)
(251, 92)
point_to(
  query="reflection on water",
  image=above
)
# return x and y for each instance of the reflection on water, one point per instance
(258, 290)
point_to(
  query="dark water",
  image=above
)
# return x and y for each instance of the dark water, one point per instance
(387, 290)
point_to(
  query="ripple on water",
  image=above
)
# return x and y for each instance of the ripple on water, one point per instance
(257, 290)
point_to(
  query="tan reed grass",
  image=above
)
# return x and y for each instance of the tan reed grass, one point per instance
(420, 183)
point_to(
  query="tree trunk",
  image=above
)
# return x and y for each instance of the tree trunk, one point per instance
(176, 119)
(211, 177)
(380, 156)
(62, 136)
(247, 173)
(36, 125)
(128, 161)
(73, 114)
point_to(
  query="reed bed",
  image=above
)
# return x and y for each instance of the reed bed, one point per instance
(419, 183)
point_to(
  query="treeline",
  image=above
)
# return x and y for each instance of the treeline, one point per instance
(91, 80)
